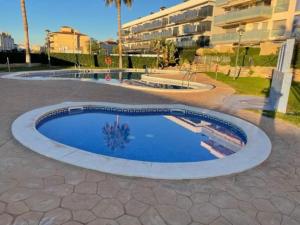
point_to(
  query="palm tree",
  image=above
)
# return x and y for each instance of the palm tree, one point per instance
(118, 5)
(26, 33)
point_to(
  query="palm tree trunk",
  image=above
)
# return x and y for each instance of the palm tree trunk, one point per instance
(120, 34)
(26, 33)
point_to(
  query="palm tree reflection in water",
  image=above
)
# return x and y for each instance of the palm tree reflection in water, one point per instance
(116, 135)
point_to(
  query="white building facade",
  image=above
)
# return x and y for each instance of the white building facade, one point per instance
(188, 24)
(7, 43)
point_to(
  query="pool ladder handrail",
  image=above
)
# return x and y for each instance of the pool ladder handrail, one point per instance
(189, 75)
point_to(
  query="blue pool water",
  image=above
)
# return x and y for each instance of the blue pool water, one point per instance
(144, 137)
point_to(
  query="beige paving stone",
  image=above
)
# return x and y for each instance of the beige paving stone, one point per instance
(103, 222)
(72, 223)
(128, 220)
(151, 217)
(56, 217)
(42, 202)
(264, 205)
(223, 200)
(200, 197)
(16, 194)
(86, 188)
(17, 208)
(108, 189)
(7, 184)
(183, 202)
(30, 218)
(2, 207)
(296, 214)
(204, 213)
(248, 208)
(284, 205)
(266, 218)
(60, 190)
(54, 180)
(108, 209)
(73, 176)
(237, 217)
(83, 216)
(249, 181)
(32, 183)
(5, 219)
(220, 221)
(145, 195)
(165, 195)
(173, 215)
(288, 221)
(124, 196)
(80, 201)
(135, 208)
(92, 176)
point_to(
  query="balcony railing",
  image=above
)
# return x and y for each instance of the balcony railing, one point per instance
(221, 2)
(282, 6)
(278, 33)
(250, 36)
(251, 14)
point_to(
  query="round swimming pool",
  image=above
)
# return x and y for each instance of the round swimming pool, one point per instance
(158, 141)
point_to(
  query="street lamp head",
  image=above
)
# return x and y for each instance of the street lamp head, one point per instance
(240, 30)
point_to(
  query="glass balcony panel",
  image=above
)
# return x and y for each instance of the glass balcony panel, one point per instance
(282, 6)
(250, 36)
(221, 2)
(253, 13)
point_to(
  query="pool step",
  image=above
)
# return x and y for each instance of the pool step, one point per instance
(178, 111)
(73, 110)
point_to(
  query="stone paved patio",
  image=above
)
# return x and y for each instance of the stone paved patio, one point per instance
(35, 190)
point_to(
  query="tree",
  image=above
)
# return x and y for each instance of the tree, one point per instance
(157, 46)
(95, 46)
(118, 5)
(165, 48)
(26, 33)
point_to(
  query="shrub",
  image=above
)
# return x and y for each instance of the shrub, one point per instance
(187, 54)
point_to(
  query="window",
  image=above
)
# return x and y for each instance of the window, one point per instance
(296, 27)
(298, 5)
(282, 6)
(279, 28)
(264, 26)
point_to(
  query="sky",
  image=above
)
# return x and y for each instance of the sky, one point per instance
(90, 17)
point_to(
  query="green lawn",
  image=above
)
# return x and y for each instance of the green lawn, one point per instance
(260, 87)
(245, 85)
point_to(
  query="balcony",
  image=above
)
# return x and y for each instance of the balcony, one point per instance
(250, 36)
(221, 2)
(252, 14)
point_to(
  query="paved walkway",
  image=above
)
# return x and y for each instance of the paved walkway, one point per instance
(36, 190)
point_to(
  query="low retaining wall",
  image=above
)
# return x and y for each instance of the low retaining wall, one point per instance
(254, 71)
(159, 80)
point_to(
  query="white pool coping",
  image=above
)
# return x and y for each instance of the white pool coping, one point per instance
(24, 76)
(257, 149)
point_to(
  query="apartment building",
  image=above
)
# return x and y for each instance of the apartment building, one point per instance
(7, 43)
(264, 23)
(69, 40)
(187, 24)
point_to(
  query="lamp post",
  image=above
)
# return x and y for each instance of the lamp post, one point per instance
(240, 32)
(48, 47)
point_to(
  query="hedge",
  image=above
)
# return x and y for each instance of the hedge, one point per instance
(60, 59)
(65, 59)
